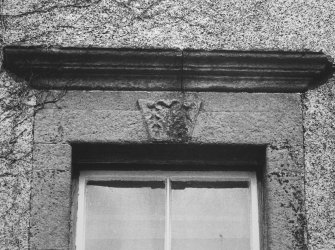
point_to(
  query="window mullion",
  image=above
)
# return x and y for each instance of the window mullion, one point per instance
(168, 215)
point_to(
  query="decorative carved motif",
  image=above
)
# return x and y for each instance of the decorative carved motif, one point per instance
(168, 120)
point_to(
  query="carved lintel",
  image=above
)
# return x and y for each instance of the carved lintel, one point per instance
(169, 120)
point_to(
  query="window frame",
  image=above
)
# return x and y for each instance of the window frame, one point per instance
(168, 176)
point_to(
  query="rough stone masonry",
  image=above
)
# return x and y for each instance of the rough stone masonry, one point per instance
(305, 25)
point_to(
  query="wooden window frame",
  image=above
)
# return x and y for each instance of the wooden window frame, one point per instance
(169, 176)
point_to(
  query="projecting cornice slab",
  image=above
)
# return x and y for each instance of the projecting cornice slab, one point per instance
(188, 70)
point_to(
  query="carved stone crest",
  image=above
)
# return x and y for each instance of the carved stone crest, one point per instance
(168, 120)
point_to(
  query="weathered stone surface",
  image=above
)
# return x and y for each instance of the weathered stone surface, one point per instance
(320, 174)
(286, 157)
(50, 209)
(15, 163)
(125, 100)
(248, 127)
(107, 100)
(284, 186)
(243, 102)
(53, 126)
(283, 228)
(52, 157)
(243, 24)
(14, 210)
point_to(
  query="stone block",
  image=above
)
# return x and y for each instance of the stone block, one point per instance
(283, 201)
(248, 127)
(48, 127)
(14, 211)
(286, 157)
(53, 126)
(251, 102)
(50, 209)
(212, 101)
(52, 156)
(107, 100)
(319, 161)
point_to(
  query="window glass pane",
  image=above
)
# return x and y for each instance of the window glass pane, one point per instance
(125, 215)
(210, 215)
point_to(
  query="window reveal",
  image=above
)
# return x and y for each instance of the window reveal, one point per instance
(167, 210)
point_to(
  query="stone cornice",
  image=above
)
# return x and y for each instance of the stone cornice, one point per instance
(150, 69)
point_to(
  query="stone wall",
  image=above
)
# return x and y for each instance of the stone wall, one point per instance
(243, 24)
(319, 123)
(16, 119)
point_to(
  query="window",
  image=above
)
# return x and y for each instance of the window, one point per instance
(163, 210)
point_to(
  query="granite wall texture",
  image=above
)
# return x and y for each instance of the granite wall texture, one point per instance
(239, 24)
(16, 119)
